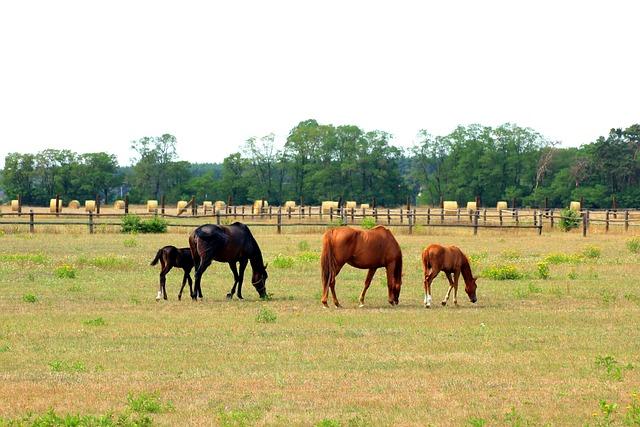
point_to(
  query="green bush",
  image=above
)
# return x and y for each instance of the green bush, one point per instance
(145, 403)
(368, 223)
(558, 258)
(634, 245)
(505, 272)
(569, 220)
(134, 224)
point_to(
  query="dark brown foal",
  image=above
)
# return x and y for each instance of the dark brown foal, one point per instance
(170, 257)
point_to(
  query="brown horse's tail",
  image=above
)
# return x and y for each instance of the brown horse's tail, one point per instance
(157, 258)
(327, 262)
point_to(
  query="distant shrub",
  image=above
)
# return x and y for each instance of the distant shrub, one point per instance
(634, 245)
(266, 316)
(65, 272)
(543, 270)
(591, 251)
(282, 261)
(368, 223)
(134, 224)
(145, 403)
(569, 220)
(505, 272)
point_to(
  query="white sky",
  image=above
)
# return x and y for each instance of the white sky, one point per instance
(93, 76)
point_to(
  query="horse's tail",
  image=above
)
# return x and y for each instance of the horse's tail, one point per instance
(193, 245)
(157, 258)
(426, 263)
(327, 262)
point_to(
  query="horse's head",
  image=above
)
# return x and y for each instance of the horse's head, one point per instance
(470, 288)
(259, 281)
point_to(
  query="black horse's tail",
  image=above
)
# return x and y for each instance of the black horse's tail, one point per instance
(157, 258)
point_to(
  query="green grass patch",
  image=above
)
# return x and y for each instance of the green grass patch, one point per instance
(52, 419)
(69, 367)
(282, 261)
(65, 271)
(130, 243)
(368, 223)
(98, 321)
(147, 403)
(504, 272)
(106, 262)
(634, 245)
(25, 258)
(29, 298)
(543, 270)
(592, 252)
(308, 257)
(560, 258)
(303, 245)
(266, 316)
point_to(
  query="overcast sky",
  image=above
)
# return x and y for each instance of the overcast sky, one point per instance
(93, 76)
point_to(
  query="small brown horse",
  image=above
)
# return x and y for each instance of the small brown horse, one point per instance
(451, 260)
(170, 257)
(366, 249)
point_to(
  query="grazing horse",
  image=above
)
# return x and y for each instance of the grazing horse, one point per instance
(231, 244)
(366, 249)
(170, 257)
(451, 260)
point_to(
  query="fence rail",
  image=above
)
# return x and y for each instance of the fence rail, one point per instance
(314, 216)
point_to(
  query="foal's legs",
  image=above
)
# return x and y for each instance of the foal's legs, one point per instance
(186, 277)
(367, 282)
(234, 270)
(204, 263)
(162, 291)
(428, 279)
(451, 286)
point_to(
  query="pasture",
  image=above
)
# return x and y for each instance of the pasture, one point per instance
(553, 339)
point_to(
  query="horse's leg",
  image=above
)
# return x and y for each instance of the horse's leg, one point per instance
(185, 276)
(367, 282)
(391, 281)
(163, 280)
(202, 266)
(234, 270)
(243, 266)
(456, 276)
(428, 279)
(332, 286)
(446, 298)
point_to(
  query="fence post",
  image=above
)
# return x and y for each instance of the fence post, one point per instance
(458, 215)
(331, 214)
(551, 217)
(428, 216)
(606, 227)
(410, 218)
(476, 214)
(540, 224)
(584, 223)
(279, 220)
(270, 212)
(352, 215)
(484, 216)
(218, 217)
(97, 204)
(441, 214)
(31, 224)
(90, 222)
(500, 215)
(126, 204)
(375, 212)
(57, 204)
(388, 216)
(19, 205)
(626, 220)
(535, 217)
(401, 216)
(515, 214)
(289, 212)
(162, 201)
(194, 208)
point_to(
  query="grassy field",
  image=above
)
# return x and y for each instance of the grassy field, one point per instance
(81, 333)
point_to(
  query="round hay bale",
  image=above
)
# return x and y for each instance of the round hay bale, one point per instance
(180, 207)
(74, 204)
(290, 204)
(575, 206)
(207, 206)
(471, 206)
(350, 204)
(219, 206)
(119, 204)
(52, 205)
(502, 205)
(89, 205)
(327, 205)
(15, 205)
(364, 206)
(258, 205)
(152, 206)
(450, 207)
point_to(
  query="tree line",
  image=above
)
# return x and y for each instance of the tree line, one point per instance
(324, 162)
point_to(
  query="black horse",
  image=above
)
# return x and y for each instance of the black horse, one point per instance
(169, 257)
(231, 244)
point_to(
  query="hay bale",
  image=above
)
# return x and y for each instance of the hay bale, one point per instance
(219, 206)
(502, 205)
(290, 204)
(152, 206)
(471, 206)
(52, 205)
(450, 207)
(180, 208)
(364, 206)
(89, 205)
(575, 206)
(15, 205)
(327, 205)
(207, 206)
(118, 204)
(258, 205)
(350, 204)
(74, 204)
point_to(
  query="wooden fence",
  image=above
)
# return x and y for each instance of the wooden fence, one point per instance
(314, 216)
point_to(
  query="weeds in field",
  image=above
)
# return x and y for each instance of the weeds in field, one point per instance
(572, 275)
(266, 316)
(543, 270)
(24, 258)
(98, 321)
(106, 262)
(368, 223)
(303, 246)
(282, 261)
(476, 422)
(29, 298)
(511, 255)
(238, 417)
(147, 403)
(612, 367)
(505, 272)
(481, 256)
(328, 422)
(634, 245)
(4, 348)
(65, 271)
(569, 220)
(591, 251)
(632, 417)
(607, 296)
(62, 366)
(559, 258)
(309, 257)
(51, 418)
(632, 298)
(130, 243)
(531, 288)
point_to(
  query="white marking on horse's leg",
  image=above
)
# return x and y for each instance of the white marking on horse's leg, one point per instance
(159, 296)
(427, 300)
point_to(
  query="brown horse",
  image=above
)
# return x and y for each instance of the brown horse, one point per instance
(169, 257)
(366, 249)
(451, 260)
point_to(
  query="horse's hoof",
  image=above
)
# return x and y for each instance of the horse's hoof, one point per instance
(240, 297)
(444, 303)
(325, 305)
(361, 305)
(229, 296)
(157, 298)
(179, 297)
(427, 306)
